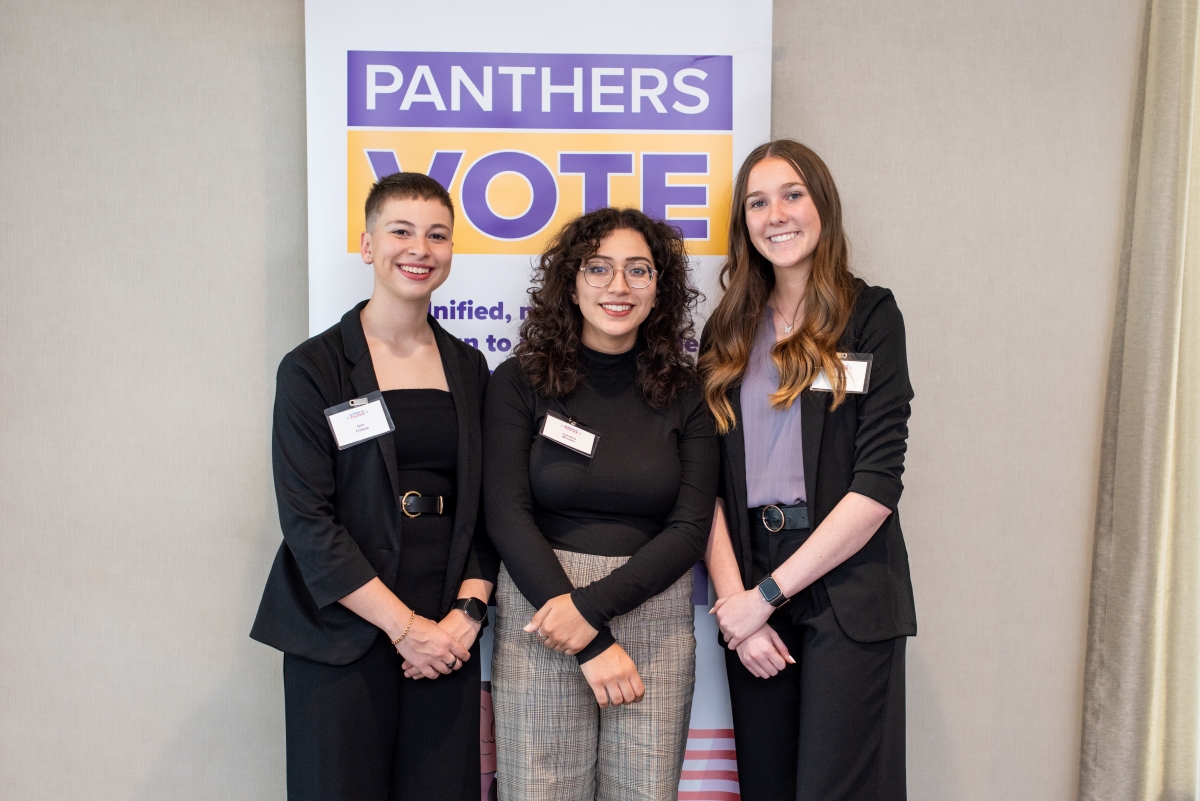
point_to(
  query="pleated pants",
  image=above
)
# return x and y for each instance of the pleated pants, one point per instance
(553, 742)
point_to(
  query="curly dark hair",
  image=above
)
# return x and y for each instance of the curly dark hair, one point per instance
(549, 350)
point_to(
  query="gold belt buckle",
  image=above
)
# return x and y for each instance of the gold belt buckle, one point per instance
(404, 504)
(782, 518)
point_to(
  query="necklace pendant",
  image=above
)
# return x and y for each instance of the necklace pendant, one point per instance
(787, 329)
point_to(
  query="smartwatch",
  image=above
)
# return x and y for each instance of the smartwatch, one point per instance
(769, 589)
(474, 609)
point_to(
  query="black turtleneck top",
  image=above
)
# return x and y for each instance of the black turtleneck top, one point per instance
(646, 493)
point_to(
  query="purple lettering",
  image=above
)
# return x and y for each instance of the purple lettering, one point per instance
(444, 165)
(383, 163)
(541, 182)
(595, 168)
(657, 194)
(397, 89)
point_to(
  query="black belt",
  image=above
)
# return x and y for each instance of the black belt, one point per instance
(775, 518)
(414, 504)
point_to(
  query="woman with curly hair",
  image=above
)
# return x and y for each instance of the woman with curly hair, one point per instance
(600, 480)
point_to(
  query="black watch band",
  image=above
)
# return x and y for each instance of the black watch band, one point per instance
(474, 609)
(769, 589)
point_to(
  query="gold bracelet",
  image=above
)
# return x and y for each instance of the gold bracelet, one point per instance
(411, 618)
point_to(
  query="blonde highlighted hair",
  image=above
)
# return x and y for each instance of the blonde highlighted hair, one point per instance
(747, 279)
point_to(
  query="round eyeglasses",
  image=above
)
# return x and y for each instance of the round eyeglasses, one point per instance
(600, 275)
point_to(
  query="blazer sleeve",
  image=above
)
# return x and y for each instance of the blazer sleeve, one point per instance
(483, 561)
(881, 437)
(508, 432)
(304, 459)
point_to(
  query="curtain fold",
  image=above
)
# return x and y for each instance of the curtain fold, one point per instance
(1141, 714)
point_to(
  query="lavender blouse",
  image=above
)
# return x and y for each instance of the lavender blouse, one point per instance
(774, 456)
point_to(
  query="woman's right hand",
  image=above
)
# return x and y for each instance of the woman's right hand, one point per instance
(763, 653)
(431, 650)
(613, 677)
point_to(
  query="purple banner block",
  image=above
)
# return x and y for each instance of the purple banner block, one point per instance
(539, 90)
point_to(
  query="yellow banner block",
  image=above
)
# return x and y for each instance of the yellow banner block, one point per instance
(509, 195)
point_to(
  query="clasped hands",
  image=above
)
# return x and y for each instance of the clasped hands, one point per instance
(437, 649)
(559, 625)
(742, 618)
(611, 674)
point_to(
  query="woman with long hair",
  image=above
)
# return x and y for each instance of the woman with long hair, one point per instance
(600, 482)
(805, 372)
(379, 590)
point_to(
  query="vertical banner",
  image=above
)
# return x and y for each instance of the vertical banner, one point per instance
(531, 113)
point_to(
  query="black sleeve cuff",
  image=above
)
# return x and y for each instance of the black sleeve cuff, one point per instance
(599, 644)
(482, 562)
(335, 585)
(487, 558)
(881, 488)
(588, 609)
(472, 569)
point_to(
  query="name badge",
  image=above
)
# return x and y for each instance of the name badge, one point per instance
(557, 428)
(858, 374)
(359, 420)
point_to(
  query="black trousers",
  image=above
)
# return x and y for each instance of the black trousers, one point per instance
(830, 727)
(363, 732)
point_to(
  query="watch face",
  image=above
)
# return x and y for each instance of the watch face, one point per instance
(474, 609)
(770, 591)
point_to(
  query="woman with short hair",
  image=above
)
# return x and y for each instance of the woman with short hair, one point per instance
(600, 482)
(384, 566)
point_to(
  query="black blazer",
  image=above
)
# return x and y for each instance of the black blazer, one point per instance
(858, 447)
(340, 510)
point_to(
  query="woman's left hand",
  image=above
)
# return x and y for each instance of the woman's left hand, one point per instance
(458, 626)
(560, 626)
(740, 615)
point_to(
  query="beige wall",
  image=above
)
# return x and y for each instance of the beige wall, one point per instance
(152, 252)
(152, 260)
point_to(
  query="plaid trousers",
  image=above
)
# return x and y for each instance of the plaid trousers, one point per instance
(553, 742)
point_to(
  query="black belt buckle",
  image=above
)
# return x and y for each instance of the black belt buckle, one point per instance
(774, 513)
(414, 515)
(775, 518)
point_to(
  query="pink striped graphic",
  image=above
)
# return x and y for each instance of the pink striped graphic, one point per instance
(710, 754)
(709, 767)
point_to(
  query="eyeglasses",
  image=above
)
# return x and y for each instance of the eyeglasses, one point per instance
(600, 275)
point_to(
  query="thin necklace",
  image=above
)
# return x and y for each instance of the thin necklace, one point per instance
(787, 329)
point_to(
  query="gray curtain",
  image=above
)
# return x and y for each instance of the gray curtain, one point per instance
(1142, 689)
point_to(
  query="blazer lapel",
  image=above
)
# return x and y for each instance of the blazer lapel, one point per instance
(812, 424)
(735, 450)
(362, 378)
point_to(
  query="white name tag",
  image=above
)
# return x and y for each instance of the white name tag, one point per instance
(858, 374)
(359, 420)
(572, 435)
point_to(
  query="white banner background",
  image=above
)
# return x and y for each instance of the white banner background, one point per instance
(337, 175)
